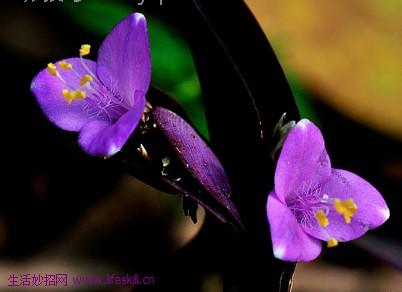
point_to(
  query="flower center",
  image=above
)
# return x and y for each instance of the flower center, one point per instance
(98, 101)
(310, 205)
(305, 202)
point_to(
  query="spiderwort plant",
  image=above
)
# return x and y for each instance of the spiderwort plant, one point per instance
(102, 100)
(105, 101)
(313, 202)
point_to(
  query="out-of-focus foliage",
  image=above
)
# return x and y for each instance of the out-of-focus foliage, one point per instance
(349, 51)
(302, 97)
(173, 67)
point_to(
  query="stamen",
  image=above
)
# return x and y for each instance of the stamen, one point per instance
(69, 96)
(322, 218)
(85, 50)
(347, 208)
(81, 78)
(100, 102)
(65, 65)
(332, 242)
(79, 94)
(85, 79)
(52, 69)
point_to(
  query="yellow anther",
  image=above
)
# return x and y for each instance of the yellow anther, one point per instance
(85, 79)
(85, 50)
(69, 96)
(65, 65)
(332, 242)
(79, 94)
(322, 218)
(52, 69)
(352, 207)
(347, 208)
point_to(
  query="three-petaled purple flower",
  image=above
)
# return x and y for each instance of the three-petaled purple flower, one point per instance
(313, 202)
(103, 100)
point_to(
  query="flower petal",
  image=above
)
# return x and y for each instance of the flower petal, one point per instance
(124, 61)
(372, 211)
(303, 161)
(102, 138)
(48, 92)
(289, 241)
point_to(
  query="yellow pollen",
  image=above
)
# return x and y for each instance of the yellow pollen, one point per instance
(85, 50)
(347, 208)
(85, 79)
(322, 218)
(332, 242)
(69, 96)
(79, 94)
(65, 65)
(52, 69)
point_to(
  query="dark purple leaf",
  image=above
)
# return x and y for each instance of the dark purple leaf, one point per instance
(245, 93)
(385, 249)
(200, 162)
(167, 153)
(135, 164)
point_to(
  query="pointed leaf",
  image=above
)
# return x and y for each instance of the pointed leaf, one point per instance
(201, 163)
(245, 93)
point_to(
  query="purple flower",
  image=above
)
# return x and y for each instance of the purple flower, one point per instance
(313, 202)
(102, 100)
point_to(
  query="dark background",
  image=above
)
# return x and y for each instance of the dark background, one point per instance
(63, 211)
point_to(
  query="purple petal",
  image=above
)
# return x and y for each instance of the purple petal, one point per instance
(124, 61)
(372, 211)
(200, 161)
(289, 241)
(303, 161)
(102, 138)
(48, 92)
